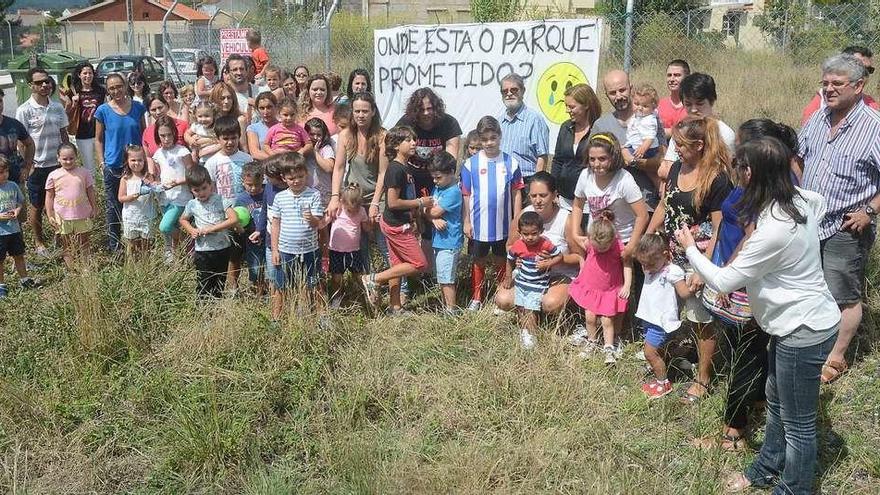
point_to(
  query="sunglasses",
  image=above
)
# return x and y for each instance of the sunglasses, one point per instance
(510, 91)
(42, 82)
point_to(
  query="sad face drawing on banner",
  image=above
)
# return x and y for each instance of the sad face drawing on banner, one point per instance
(550, 91)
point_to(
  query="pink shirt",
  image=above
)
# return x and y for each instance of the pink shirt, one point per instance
(71, 200)
(327, 117)
(345, 232)
(284, 138)
(149, 137)
(669, 114)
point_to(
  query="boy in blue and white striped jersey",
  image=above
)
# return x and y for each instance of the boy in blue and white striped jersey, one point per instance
(296, 214)
(536, 255)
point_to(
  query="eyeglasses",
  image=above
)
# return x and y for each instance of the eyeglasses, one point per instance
(837, 84)
(510, 91)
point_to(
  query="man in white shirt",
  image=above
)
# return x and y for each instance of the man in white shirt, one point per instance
(46, 123)
(699, 96)
(239, 78)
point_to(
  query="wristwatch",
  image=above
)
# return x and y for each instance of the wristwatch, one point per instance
(871, 212)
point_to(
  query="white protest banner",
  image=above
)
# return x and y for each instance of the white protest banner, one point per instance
(464, 64)
(233, 40)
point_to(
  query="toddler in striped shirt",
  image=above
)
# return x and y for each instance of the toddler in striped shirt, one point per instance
(535, 254)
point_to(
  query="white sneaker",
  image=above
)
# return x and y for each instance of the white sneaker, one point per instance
(579, 336)
(527, 339)
(474, 306)
(589, 348)
(609, 354)
(618, 349)
(498, 311)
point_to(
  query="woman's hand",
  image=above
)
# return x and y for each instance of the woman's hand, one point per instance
(544, 261)
(374, 213)
(684, 237)
(333, 207)
(695, 283)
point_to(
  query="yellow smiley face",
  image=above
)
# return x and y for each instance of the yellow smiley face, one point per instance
(551, 89)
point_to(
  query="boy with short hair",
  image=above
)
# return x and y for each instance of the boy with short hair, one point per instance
(11, 239)
(296, 215)
(225, 167)
(207, 219)
(254, 247)
(446, 218)
(492, 185)
(275, 184)
(530, 281)
(258, 54)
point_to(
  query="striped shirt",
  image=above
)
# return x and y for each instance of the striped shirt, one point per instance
(490, 182)
(845, 168)
(525, 136)
(296, 235)
(44, 124)
(528, 276)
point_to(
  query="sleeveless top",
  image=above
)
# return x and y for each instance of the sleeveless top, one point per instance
(141, 210)
(364, 174)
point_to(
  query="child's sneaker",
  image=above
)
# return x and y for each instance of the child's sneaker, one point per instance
(369, 283)
(589, 348)
(608, 350)
(28, 283)
(527, 339)
(579, 336)
(618, 348)
(496, 311)
(474, 305)
(3, 291)
(656, 388)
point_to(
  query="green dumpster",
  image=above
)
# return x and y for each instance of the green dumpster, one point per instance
(57, 64)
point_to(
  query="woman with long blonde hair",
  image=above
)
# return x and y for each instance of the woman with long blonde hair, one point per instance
(697, 185)
(224, 100)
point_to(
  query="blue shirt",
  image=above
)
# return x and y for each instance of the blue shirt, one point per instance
(449, 198)
(260, 129)
(525, 136)
(10, 199)
(120, 131)
(261, 219)
(730, 233)
(845, 169)
(254, 204)
(491, 183)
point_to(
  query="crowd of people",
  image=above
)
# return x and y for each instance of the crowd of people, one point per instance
(757, 237)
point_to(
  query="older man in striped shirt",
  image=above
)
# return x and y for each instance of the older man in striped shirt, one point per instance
(524, 132)
(840, 147)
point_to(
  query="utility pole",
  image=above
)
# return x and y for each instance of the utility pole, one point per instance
(130, 16)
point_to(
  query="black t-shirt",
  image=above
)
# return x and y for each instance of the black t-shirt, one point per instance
(11, 132)
(424, 184)
(680, 204)
(429, 143)
(88, 103)
(397, 177)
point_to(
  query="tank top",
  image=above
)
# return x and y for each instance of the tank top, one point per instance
(364, 174)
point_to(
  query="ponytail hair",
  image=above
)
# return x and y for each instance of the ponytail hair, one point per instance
(602, 231)
(715, 159)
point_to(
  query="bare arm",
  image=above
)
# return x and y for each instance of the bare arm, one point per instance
(50, 206)
(230, 222)
(255, 148)
(93, 200)
(29, 149)
(657, 219)
(99, 143)
(681, 288)
(326, 164)
(338, 173)
(576, 238)
(380, 181)
(123, 197)
(276, 232)
(453, 145)
(641, 224)
(541, 163)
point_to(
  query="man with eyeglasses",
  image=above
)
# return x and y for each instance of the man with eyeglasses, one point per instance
(524, 133)
(866, 56)
(239, 78)
(46, 123)
(840, 148)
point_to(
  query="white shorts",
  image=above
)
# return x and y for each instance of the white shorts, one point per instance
(132, 231)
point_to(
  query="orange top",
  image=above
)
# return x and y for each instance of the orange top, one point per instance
(261, 58)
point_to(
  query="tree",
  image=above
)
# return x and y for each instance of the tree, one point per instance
(5, 4)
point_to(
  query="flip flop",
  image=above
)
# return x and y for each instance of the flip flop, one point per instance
(832, 370)
(689, 398)
(736, 482)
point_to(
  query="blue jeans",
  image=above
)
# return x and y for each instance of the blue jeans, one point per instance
(255, 257)
(788, 455)
(113, 209)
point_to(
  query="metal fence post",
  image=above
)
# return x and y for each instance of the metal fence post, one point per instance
(11, 44)
(628, 36)
(326, 27)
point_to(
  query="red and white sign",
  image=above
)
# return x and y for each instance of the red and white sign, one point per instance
(233, 40)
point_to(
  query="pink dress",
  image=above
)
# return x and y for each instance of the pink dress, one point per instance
(597, 285)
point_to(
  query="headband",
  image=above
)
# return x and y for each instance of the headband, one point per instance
(603, 137)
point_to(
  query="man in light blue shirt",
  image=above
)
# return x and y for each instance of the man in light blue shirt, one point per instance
(524, 132)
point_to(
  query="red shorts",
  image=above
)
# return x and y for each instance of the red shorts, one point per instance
(403, 246)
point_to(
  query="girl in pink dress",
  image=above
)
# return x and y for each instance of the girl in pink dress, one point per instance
(602, 287)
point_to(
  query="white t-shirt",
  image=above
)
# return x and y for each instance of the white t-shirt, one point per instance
(44, 124)
(172, 167)
(640, 128)
(658, 304)
(620, 193)
(728, 135)
(554, 231)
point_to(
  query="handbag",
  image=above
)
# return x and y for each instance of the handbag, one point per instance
(735, 311)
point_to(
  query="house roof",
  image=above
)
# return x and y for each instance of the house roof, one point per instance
(181, 12)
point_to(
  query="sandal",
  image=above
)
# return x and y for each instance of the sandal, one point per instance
(689, 398)
(736, 482)
(726, 442)
(832, 370)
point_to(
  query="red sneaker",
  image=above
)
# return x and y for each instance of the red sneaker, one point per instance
(656, 389)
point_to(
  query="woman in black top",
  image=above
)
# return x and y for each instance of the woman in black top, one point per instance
(571, 144)
(80, 102)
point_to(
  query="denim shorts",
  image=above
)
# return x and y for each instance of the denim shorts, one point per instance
(446, 265)
(844, 257)
(300, 269)
(528, 297)
(273, 272)
(255, 257)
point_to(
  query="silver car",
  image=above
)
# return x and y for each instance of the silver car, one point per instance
(185, 62)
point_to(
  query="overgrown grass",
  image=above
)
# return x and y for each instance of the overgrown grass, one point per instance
(115, 380)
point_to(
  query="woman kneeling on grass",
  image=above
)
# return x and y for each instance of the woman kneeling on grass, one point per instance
(781, 269)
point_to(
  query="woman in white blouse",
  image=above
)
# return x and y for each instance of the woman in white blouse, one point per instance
(780, 267)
